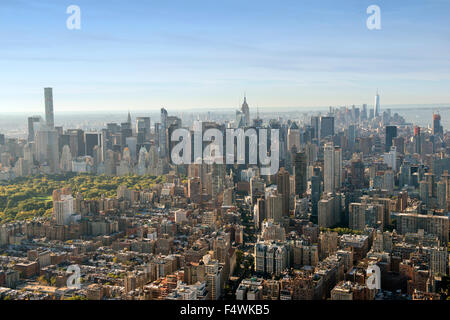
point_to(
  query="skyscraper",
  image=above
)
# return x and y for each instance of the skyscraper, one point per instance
(441, 193)
(376, 107)
(390, 134)
(293, 137)
(329, 211)
(351, 136)
(163, 134)
(332, 168)
(257, 188)
(326, 126)
(300, 173)
(260, 210)
(49, 117)
(129, 118)
(357, 172)
(126, 132)
(47, 148)
(437, 128)
(337, 168)
(328, 174)
(76, 142)
(283, 187)
(92, 139)
(31, 127)
(63, 206)
(142, 129)
(315, 195)
(66, 159)
(246, 111)
(315, 124)
(364, 112)
(417, 140)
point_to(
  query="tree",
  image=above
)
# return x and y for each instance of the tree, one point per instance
(42, 280)
(76, 297)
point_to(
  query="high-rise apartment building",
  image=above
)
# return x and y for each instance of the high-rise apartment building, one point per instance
(270, 258)
(63, 206)
(49, 116)
(412, 222)
(329, 210)
(163, 134)
(362, 215)
(274, 207)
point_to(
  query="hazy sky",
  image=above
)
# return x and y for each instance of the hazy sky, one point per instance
(142, 55)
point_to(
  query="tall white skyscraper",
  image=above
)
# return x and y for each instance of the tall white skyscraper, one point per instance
(49, 117)
(376, 107)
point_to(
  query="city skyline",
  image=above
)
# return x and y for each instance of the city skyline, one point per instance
(143, 56)
(242, 155)
(355, 207)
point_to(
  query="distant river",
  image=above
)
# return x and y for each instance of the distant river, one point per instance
(423, 115)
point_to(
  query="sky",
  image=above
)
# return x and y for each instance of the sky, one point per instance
(180, 54)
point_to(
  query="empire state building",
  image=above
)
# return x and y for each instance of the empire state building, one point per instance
(246, 111)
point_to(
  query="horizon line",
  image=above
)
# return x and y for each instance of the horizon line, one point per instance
(227, 109)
